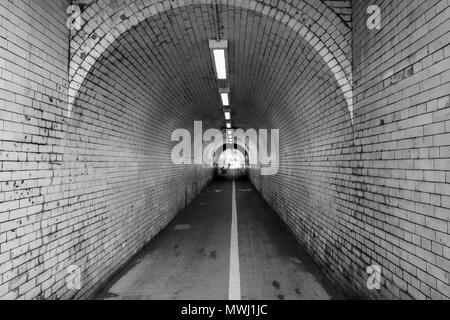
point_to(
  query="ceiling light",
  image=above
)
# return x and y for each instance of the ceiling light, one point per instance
(227, 115)
(228, 125)
(221, 66)
(220, 57)
(225, 99)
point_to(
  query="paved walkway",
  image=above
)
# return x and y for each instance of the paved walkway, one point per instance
(228, 244)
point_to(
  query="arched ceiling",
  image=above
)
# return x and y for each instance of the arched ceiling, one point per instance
(342, 8)
(267, 44)
(165, 63)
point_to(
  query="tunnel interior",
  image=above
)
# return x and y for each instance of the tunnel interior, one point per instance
(157, 77)
(361, 163)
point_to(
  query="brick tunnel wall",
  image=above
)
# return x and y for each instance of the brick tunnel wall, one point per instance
(402, 130)
(73, 190)
(378, 192)
(313, 191)
(90, 189)
(33, 62)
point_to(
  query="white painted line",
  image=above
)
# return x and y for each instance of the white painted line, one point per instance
(234, 292)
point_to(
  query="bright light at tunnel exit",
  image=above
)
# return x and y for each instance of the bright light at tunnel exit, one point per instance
(232, 157)
(219, 60)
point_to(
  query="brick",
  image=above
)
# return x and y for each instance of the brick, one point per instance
(442, 164)
(443, 102)
(374, 189)
(442, 140)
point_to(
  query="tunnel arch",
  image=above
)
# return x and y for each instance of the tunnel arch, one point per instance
(106, 20)
(120, 89)
(235, 146)
(239, 159)
(213, 152)
(87, 193)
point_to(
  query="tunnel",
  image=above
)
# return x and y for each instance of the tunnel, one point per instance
(310, 161)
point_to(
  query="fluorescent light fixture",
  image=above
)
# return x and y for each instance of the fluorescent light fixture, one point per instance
(225, 99)
(227, 115)
(228, 125)
(230, 132)
(225, 96)
(220, 62)
(219, 55)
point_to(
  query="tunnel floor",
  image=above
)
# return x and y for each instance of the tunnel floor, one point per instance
(195, 259)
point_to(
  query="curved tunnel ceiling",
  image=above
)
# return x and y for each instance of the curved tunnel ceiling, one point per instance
(164, 62)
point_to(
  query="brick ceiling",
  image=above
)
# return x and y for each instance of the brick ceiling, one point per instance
(166, 62)
(343, 8)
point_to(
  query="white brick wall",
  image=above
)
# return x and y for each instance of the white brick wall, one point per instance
(92, 189)
(89, 190)
(377, 192)
(402, 103)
